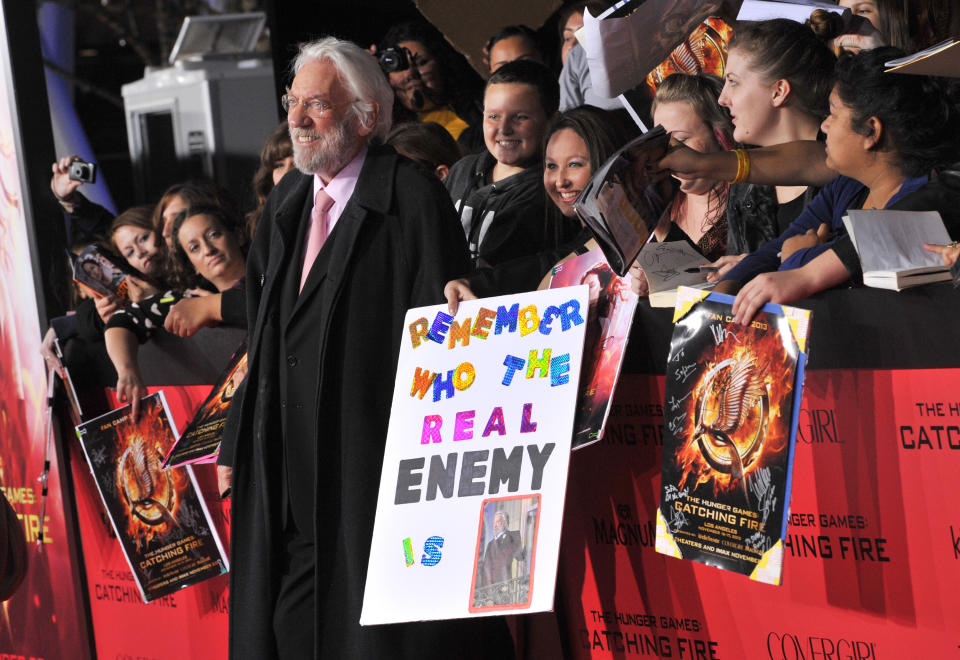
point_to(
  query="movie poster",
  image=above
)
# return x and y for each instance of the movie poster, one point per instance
(200, 441)
(612, 305)
(160, 519)
(45, 617)
(731, 409)
(474, 477)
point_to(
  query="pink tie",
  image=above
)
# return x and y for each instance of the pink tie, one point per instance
(318, 232)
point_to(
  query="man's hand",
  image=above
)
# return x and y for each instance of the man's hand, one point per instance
(107, 306)
(804, 241)
(948, 253)
(224, 481)
(191, 314)
(455, 291)
(723, 264)
(685, 163)
(61, 184)
(130, 389)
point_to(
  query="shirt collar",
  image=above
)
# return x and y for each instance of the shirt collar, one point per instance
(341, 186)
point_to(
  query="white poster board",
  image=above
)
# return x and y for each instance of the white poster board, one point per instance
(475, 466)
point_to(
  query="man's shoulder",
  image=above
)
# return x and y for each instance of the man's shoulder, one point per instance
(411, 182)
(294, 184)
(291, 181)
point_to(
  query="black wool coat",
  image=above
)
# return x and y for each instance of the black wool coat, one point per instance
(396, 244)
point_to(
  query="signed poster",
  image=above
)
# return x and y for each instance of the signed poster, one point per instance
(159, 517)
(732, 403)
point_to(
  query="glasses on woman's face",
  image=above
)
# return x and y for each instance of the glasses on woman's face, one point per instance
(314, 107)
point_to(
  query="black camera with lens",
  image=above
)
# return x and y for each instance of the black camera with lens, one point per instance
(83, 171)
(394, 59)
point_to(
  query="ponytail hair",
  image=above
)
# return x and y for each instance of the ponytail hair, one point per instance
(791, 51)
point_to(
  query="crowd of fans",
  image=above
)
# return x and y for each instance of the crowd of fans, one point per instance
(825, 130)
(764, 162)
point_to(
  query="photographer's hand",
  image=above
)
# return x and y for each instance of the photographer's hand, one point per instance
(63, 187)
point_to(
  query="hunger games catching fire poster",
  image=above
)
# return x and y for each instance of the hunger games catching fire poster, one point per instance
(158, 515)
(732, 402)
(200, 441)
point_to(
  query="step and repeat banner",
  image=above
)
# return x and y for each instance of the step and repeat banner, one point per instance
(872, 550)
(44, 618)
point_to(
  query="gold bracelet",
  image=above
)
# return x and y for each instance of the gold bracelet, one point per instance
(736, 177)
(746, 165)
(743, 166)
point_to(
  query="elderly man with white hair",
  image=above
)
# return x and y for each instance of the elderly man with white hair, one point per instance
(345, 246)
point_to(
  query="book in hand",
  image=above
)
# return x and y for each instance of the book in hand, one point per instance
(97, 272)
(623, 201)
(609, 319)
(795, 10)
(731, 408)
(667, 266)
(890, 245)
(159, 517)
(942, 59)
(200, 441)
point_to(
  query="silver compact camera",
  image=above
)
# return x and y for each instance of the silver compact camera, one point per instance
(83, 171)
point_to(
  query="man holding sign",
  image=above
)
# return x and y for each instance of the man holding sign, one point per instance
(344, 247)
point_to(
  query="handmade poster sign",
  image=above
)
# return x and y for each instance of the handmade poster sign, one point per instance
(731, 406)
(475, 466)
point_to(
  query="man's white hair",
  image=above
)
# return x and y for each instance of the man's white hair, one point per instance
(360, 74)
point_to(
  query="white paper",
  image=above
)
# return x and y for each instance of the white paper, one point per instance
(435, 553)
(891, 240)
(664, 265)
(764, 10)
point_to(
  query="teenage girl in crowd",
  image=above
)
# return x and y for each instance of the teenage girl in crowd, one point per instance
(778, 77)
(686, 106)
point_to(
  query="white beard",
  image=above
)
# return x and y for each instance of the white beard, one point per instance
(329, 153)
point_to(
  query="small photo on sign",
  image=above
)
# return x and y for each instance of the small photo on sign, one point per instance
(506, 549)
